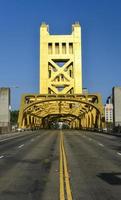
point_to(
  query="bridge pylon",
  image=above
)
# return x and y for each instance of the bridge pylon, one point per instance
(60, 62)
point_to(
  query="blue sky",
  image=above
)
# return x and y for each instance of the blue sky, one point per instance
(19, 41)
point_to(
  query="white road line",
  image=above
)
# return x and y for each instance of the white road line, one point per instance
(10, 138)
(1, 157)
(100, 144)
(20, 146)
(119, 153)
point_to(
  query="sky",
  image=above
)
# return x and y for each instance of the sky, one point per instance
(19, 42)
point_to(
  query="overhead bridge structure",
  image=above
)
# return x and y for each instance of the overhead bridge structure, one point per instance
(61, 98)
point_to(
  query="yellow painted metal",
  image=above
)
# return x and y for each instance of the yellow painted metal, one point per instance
(61, 95)
(87, 109)
(60, 62)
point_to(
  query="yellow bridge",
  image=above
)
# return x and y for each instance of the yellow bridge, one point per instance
(61, 97)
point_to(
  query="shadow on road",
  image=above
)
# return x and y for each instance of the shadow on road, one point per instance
(111, 178)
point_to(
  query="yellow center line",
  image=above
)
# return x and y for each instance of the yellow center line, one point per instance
(64, 173)
(62, 196)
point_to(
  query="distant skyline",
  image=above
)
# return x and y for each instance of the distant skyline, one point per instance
(19, 42)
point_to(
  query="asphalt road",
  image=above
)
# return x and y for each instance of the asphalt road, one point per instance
(30, 165)
(95, 165)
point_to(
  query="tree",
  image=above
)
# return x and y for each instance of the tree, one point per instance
(14, 117)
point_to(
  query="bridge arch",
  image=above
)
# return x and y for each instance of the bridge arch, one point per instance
(34, 112)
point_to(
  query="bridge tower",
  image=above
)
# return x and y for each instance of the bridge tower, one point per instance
(60, 62)
(60, 97)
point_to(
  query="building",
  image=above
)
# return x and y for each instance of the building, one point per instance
(4, 110)
(84, 91)
(116, 95)
(109, 113)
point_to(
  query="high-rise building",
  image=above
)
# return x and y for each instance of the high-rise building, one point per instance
(4, 109)
(109, 112)
(116, 95)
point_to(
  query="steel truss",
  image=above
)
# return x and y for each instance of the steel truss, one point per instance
(78, 111)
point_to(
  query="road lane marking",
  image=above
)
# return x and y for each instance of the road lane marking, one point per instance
(1, 157)
(62, 195)
(20, 146)
(65, 189)
(93, 140)
(119, 153)
(100, 144)
(68, 189)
